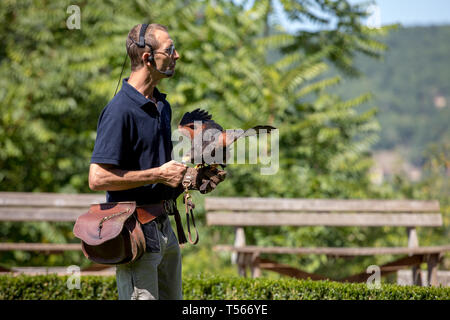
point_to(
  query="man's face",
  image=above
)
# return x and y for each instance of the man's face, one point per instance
(166, 55)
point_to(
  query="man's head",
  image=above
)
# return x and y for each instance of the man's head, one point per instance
(158, 45)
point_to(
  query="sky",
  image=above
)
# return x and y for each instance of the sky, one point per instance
(413, 12)
(405, 12)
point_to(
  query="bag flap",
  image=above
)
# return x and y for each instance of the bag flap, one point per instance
(103, 221)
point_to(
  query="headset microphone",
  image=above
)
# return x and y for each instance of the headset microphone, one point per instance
(168, 73)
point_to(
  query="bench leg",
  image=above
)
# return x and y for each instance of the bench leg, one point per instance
(239, 241)
(254, 265)
(248, 261)
(416, 276)
(241, 264)
(433, 262)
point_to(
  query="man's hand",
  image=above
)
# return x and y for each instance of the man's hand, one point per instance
(171, 173)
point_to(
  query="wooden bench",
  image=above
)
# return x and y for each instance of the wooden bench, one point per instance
(268, 212)
(55, 207)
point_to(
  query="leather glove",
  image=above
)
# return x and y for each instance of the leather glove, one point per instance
(204, 179)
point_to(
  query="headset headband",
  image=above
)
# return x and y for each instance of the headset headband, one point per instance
(141, 43)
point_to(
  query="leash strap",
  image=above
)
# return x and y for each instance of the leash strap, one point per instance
(170, 207)
(180, 232)
(189, 206)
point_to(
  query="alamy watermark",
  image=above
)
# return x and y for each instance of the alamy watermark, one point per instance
(74, 20)
(73, 281)
(374, 281)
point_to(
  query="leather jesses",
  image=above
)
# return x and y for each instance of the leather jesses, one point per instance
(111, 232)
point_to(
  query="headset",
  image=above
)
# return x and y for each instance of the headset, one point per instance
(151, 57)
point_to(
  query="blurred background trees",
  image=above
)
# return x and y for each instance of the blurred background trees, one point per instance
(238, 63)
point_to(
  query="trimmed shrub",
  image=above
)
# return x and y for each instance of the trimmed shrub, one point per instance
(53, 287)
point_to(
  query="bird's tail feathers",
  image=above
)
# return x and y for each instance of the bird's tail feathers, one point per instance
(256, 130)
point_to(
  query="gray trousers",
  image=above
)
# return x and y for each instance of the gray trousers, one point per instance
(156, 275)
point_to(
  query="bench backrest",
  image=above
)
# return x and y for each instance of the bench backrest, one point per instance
(18, 206)
(241, 212)
(31, 206)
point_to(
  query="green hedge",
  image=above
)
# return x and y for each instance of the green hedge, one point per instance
(52, 287)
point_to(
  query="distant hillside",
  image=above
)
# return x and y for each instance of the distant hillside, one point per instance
(411, 88)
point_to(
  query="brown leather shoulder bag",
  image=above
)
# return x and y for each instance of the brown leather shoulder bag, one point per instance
(110, 233)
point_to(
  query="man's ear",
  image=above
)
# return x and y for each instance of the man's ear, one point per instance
(145, 58)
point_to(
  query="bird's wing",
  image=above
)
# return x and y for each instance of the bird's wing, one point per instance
(188, 120)
(230, 136)
(196, 115)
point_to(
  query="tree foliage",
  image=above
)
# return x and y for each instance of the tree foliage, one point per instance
(235, 62)
(411, 87)
(59, 80)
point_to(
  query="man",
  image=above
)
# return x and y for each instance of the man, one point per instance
(132, 161)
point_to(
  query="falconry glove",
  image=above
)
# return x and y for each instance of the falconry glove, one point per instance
(204, 179)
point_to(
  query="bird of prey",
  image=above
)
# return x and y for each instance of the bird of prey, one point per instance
(207, 137)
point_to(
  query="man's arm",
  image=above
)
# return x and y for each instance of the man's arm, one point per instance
(109, 177)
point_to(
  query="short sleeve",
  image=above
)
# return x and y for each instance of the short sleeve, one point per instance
(112, 140)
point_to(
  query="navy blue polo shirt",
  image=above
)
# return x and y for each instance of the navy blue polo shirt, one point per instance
(134, 134)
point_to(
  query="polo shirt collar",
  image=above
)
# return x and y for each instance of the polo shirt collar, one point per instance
(138, 98)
